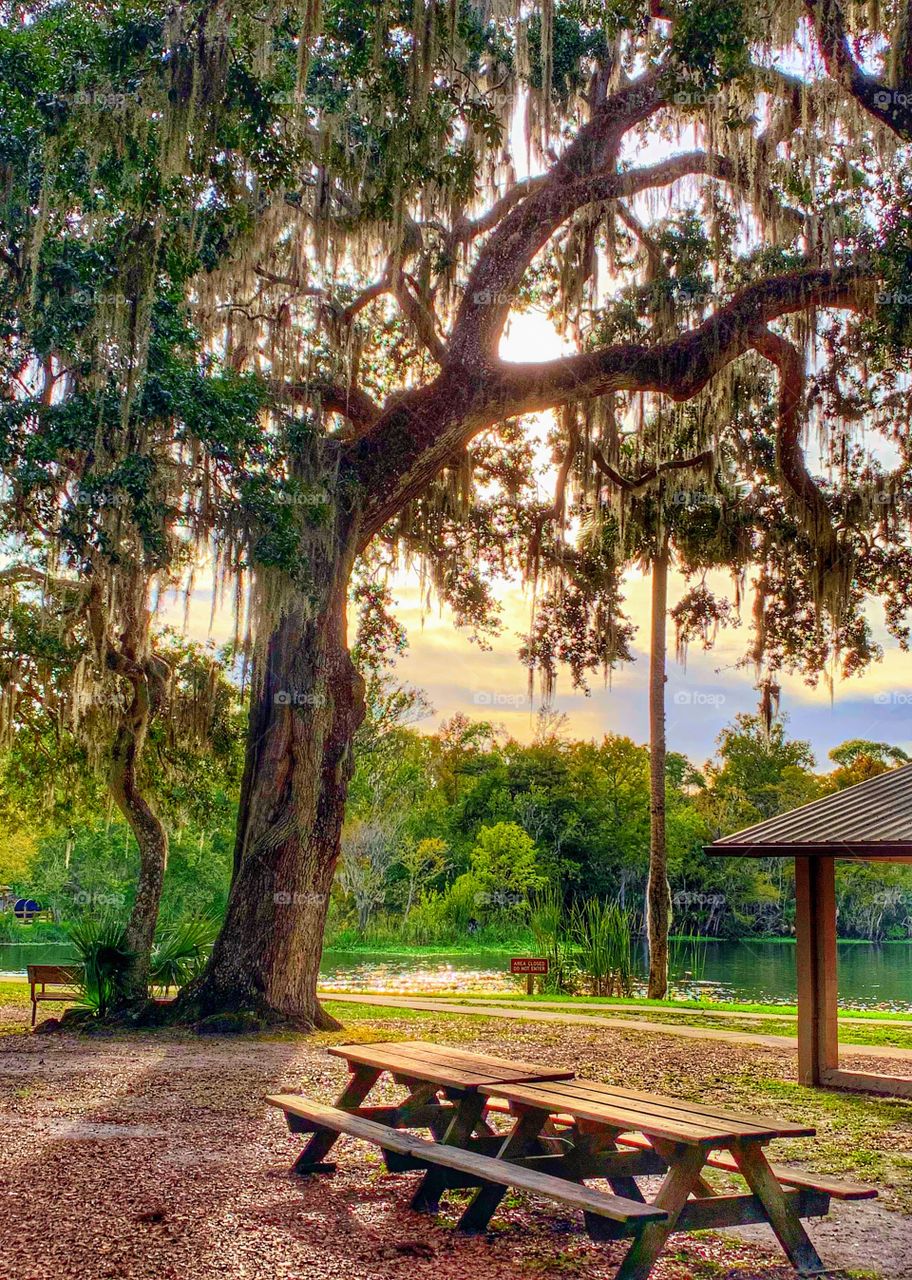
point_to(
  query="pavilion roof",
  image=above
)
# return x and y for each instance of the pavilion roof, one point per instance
(872, 819)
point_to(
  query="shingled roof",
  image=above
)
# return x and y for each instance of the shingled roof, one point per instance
(873, 819)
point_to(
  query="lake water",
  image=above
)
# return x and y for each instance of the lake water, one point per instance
(761, 972)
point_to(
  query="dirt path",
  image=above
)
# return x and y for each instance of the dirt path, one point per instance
(533, 1013)
(157, 1158)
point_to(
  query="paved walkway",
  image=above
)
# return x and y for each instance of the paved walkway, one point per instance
(535, 1014)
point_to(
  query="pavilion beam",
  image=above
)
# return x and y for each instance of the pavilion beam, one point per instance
(815, 927)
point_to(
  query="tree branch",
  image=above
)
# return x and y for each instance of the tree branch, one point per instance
(30, 575)
(645, 478)
(413, 439)
(349, 401)
(420, 317)
(506, 255)
(684, 366)
(789, 454)
(890, 106)
(571, 183)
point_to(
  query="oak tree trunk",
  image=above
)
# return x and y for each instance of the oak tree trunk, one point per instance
(658, 890)
(307, 705)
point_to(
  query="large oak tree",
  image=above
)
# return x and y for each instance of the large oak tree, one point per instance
(363, 203)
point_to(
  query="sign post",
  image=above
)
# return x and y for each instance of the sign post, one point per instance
(530, 966)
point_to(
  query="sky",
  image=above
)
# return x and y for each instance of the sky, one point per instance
(702, 697)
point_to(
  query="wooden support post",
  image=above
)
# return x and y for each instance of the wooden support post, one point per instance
(312, 1158)
(530, 984)
(815, 926)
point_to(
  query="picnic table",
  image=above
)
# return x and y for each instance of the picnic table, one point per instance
(620, 1134)
(563, 1133)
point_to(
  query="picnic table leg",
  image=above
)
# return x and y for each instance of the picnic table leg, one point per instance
(597, 1140)
(788, 1227)
(423, 1094)
(522, 1140)
(469, 1111)
(683, 1175)
(312, 1158)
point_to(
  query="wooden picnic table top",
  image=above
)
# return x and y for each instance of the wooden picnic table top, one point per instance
(656, 1116)
(448, 1067)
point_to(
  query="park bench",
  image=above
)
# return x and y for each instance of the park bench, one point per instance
(53, 975)
(564, 1132)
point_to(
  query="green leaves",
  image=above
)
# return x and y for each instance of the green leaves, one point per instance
(104, 956)
(710, 42)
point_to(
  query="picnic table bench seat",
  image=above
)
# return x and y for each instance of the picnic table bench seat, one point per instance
(622, 1217)
(835, 1188)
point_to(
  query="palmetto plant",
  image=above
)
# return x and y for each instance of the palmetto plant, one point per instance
(180, 952)
(105, 957)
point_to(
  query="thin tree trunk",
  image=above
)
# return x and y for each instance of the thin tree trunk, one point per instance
(151, 838)
(308, 703)
(658, 890)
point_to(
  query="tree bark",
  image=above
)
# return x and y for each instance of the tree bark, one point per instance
(308, 703)
(658, 890)
(151, 838)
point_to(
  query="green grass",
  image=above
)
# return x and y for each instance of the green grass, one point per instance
(858, 1136)
(350, 943)
(584, 1003)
